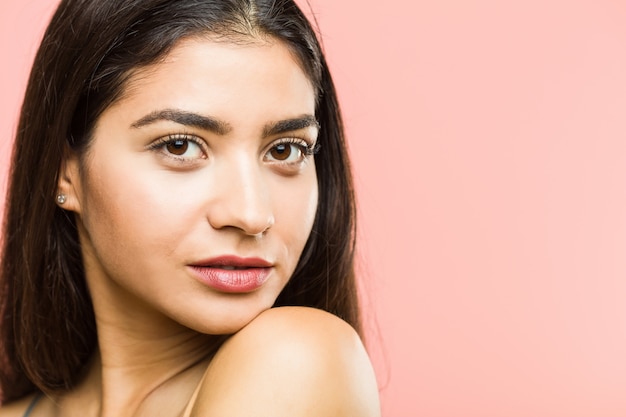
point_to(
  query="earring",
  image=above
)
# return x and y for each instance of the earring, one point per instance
(61, 198)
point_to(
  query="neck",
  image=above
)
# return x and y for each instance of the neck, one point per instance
(141, 352)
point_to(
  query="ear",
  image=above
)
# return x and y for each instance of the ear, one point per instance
(68, 195)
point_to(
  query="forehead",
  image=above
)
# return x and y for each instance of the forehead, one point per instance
(219, 64)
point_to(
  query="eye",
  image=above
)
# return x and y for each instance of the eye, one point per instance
(177, 146)
(289, 151)
(181, 147)
(283, 151)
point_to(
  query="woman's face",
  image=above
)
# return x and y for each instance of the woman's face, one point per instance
(199, 190)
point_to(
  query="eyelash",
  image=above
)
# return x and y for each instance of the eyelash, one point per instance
(307, 149)
(161, 143)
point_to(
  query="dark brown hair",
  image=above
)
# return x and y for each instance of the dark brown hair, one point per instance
(47, 324)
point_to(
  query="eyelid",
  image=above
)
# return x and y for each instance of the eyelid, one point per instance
(159, 143)
(310, 147)
(176, 136)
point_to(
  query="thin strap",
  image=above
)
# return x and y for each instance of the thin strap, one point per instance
(194, 396)
(32, 404)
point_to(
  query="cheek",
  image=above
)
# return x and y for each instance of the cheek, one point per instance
(129, 213)
(295, 209)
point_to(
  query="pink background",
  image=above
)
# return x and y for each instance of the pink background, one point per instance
(489, 147)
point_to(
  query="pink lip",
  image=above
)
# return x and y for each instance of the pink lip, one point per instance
(251, 273)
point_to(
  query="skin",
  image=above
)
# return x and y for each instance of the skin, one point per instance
(145, 214)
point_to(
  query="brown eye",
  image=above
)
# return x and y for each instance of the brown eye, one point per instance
(281, 151)
(178, 147)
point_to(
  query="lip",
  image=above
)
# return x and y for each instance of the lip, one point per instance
(250, 273)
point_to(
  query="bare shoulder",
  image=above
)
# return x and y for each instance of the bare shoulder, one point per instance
(290, 361)
(300, 322)
(16, 408)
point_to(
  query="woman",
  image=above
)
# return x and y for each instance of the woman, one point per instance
(180, 169)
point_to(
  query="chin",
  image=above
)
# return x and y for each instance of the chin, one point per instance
(227, 323)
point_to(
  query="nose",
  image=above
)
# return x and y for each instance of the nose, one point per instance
(240, 197)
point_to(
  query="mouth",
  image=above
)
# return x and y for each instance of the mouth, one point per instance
(233, 262)
(233, 274)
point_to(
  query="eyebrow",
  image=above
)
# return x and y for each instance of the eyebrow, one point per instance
(290, 125)
(187, 118)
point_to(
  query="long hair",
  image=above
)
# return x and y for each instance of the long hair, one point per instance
(47, 324)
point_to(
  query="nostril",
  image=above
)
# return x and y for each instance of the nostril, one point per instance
(253, 221)
(260, 228)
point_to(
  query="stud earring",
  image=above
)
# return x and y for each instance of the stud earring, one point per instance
(61, 198)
